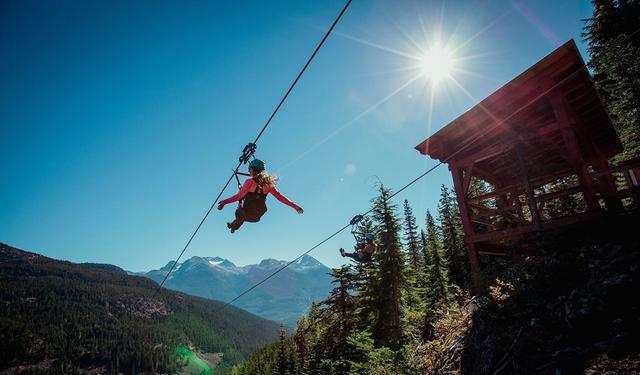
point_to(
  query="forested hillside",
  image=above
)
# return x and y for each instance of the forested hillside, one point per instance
(58, 317)
(407, 312)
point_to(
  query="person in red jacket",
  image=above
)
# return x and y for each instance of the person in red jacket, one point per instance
(253, 195)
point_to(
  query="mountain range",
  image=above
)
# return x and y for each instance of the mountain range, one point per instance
(284, 298)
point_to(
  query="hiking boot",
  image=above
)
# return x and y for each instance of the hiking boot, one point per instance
(229, 226)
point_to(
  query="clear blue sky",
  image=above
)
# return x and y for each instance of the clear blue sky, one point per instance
(120, 120)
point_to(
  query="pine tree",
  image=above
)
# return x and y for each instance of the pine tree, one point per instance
(452, 241)
(387, 330)
(302, 349)
(423, 275)
(412, 242)
(282, 363)
(338, 312)
(367, 280)
(339, 306)
(438, 280)
(414, 311)
(614, 48)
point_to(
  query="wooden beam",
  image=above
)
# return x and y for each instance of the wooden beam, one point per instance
(533, 207)
(559, 105)
(486, 211)
(501, 234)
(481, 222)
(557, 194)
(464, 216)
(493, 194)
(606, 186)
(484, 154)
(468, 175)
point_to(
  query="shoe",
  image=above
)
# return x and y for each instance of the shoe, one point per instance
(229, 226)
(342, 252)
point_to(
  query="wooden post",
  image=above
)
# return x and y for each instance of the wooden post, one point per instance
(533, 206)
(456, 173)
(517, 204)
(606, 186)
(564, 122)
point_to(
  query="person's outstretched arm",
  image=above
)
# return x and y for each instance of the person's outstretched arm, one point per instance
(243, 191)
(285, 200)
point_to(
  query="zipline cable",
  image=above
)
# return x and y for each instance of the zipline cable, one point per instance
(313, 55)
(322, 242)
(445, 160)
(286, 265)
(326, 35)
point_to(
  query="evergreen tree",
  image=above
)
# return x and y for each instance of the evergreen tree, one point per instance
(412, 242)
(414, 312)
(452, 241)
(387, 330)
(338, 312)
(302, 349)
(437, 278)
(282, 364)
(613, 33)
(423, 275)
(367, 281)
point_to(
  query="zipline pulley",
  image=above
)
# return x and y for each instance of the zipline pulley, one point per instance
(356, 219)
(247, 153)
(354, 225)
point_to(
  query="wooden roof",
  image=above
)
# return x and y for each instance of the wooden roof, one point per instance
(522, 109)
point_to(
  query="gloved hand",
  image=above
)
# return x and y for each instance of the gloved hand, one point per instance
(220, 206)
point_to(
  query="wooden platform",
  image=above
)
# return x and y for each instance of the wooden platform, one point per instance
(533, 156)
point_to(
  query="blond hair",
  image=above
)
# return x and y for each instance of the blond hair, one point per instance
(263, 179)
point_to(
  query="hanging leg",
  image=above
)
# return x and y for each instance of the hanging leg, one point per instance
(240, 219)
(356, 255)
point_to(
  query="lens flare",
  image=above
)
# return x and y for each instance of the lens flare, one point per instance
(436, 63)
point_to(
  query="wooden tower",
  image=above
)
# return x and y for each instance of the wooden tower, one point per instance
(533, 155)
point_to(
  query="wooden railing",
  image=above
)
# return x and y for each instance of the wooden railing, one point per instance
(507, 210)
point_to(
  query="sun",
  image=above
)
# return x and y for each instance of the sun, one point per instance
(436, 64)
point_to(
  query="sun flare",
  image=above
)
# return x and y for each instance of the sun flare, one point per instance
(436, 63)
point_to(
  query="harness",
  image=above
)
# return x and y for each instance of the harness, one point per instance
(356, 229)
(254, 203)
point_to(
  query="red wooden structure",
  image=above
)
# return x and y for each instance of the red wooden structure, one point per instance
(533, 156)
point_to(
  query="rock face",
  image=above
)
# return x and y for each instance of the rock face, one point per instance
(573, 311)
(284, 298)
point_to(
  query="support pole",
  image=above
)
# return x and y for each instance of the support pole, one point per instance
(456, 172)
(533, 206)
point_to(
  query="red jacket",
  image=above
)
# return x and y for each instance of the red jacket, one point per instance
(251, 186)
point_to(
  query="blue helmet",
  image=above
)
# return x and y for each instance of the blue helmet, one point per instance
(257, 164)
(369, 237)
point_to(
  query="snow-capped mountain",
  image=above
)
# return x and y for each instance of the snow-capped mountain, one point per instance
(285, 297)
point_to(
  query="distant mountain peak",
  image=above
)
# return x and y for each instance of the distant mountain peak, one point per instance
(270, 262)
(217, 261)
(308, 260)
(285, 297)
(168, 266)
